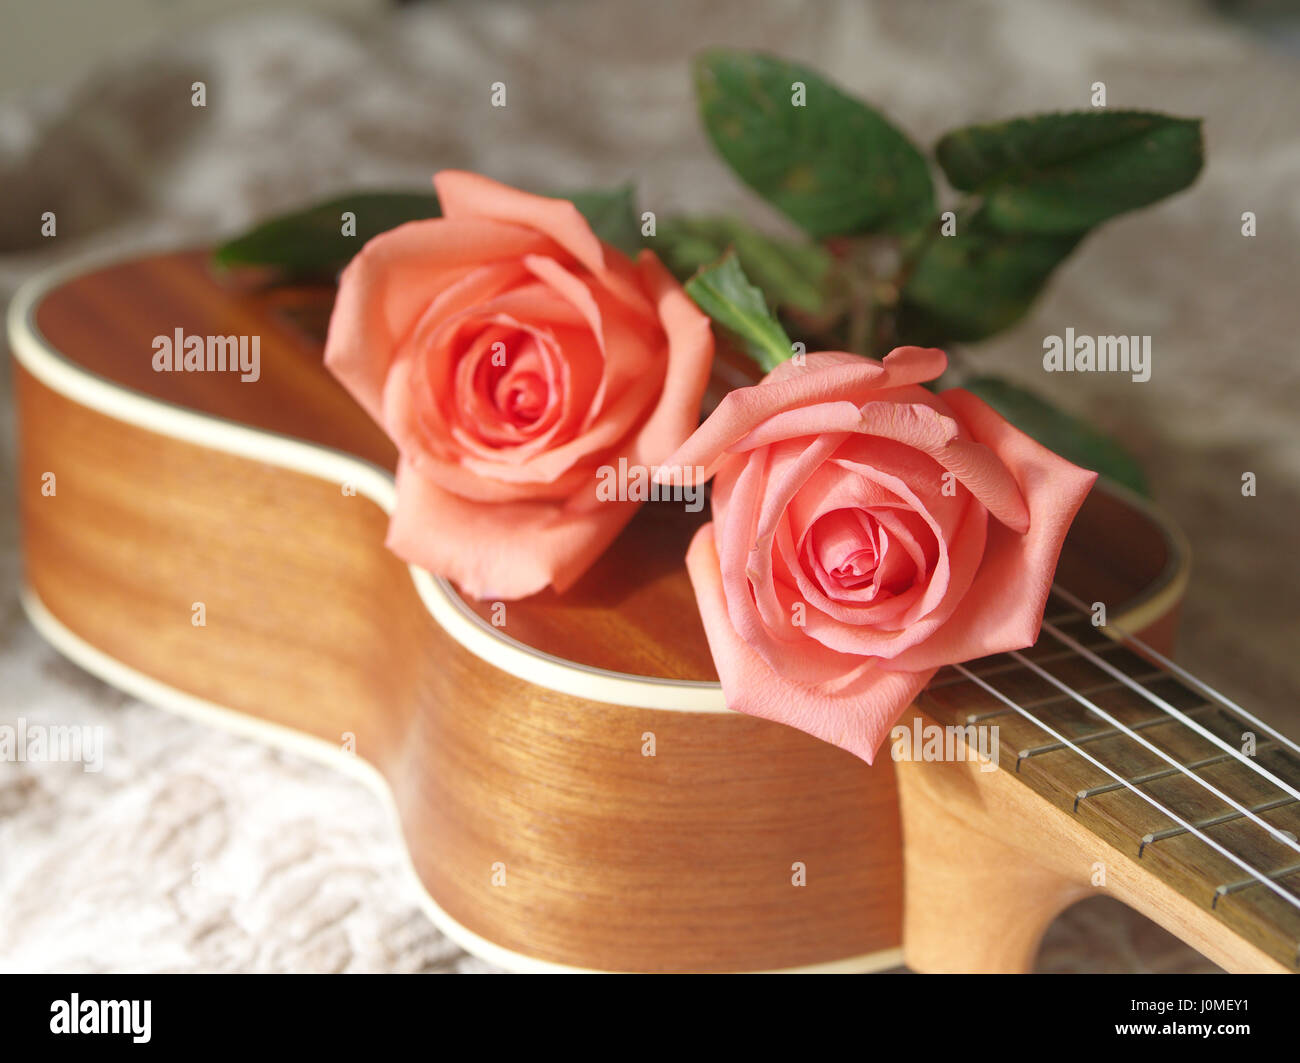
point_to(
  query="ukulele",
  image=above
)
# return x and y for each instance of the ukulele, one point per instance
(572, 791)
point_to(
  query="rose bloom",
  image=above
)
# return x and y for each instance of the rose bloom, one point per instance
(509, 354)
(865, 533)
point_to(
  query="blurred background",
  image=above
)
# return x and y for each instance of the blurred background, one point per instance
(301, 869)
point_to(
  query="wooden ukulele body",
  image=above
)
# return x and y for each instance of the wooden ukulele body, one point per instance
(572, 791)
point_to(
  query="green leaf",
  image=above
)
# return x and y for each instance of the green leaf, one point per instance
(724, 293)
(1068, 436)
(977, 282)
(789, 273)
(1060, 173)
(612, 215)
(310, 243)
(834, 165)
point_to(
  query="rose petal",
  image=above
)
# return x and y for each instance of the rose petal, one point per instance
(472, 195)
(1004, 606)
(824, 377)
(910, 417)
(689, 360)
(392, 280)
(977, 468)
(631, 349)
(469, 195)
(504, 551)
(856, 716)
(748, 520)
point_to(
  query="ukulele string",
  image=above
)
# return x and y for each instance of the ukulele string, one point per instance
(1254, 873)
(1179, 671)
(1278, 835)
(1161, 703)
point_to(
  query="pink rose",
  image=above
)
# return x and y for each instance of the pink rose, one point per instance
(509, 354)
(865, 533)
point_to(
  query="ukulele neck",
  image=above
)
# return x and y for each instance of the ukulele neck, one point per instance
(1204, 796)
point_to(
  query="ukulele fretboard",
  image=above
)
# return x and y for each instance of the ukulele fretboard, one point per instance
(1168, 772)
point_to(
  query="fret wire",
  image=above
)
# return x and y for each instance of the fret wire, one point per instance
(1101, 736)
(1038, 703)
(1245, 883)
(1283, 838)
(1050, 658)
(1160, 702)
(1181, 672)
(1213, 821)
(1164, 773)
(1233, 858)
